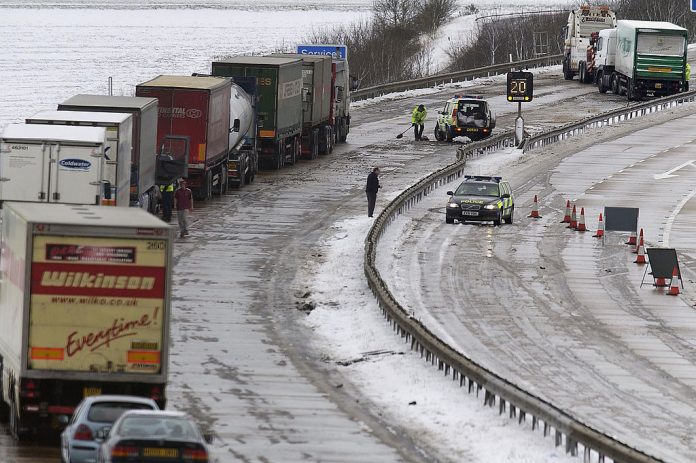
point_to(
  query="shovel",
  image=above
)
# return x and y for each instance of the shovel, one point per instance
(401, 135)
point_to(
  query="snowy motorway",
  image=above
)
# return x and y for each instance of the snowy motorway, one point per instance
(257, 319)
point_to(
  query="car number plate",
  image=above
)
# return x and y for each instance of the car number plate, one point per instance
(90, 391)
(160, 452)
(658, 85)
(471, 129)
(473, 213)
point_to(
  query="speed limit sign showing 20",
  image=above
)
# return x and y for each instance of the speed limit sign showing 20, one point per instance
(520, 86)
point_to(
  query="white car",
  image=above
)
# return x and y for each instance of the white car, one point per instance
(78, 443)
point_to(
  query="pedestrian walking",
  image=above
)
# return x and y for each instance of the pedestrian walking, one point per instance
(371, 190)
(418, 120)
(167, 193)
(183, 203)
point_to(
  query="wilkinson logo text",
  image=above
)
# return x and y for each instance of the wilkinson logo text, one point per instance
(96, 280)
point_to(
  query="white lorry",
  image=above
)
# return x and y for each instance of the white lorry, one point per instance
(577, 33)
(54, 164)
(642, 58)
(144, 192)
(119, 139)
(84, 309)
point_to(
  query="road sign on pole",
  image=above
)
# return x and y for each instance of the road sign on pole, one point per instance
(693, 5)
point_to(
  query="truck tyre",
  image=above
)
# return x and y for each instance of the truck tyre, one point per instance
(208, 187)
(630, 90)
(15, 424)
(567, 73)
(330, 136)
(222, 181)
(600, 83)
(581, 72)
(343, 132)
(614, 84)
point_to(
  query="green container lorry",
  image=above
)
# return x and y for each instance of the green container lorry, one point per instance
(642, 58)
(279, 106)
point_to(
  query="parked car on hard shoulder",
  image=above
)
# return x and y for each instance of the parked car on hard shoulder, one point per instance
(148, 436)
(78, 442)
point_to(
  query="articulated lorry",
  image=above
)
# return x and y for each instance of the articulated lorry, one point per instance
(144, 161)
(317, 79)
(577, 33)
(195, 110)
(84, 309)
(57, 164)
(642, 58)
(279, 108)
(243, 158)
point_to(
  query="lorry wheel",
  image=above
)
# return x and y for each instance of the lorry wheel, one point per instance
(600, 83)
(614, 84)
(208, 187)
(630, 91)
(222, 186)
(331, 139)
(15, 424)
(567, 74)
(581, 72)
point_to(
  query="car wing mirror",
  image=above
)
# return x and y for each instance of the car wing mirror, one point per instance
(450, 193)
(505, 195)
(208, 438)
(63, 420)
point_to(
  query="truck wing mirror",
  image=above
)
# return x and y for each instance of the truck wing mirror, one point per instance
(235, 126)
(354, 83)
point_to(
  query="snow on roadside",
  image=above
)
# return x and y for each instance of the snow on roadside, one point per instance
(349, 328)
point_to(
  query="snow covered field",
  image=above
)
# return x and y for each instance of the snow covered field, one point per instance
(51, 50)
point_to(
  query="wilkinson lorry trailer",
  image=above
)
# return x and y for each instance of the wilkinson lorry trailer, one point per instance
(84, 308)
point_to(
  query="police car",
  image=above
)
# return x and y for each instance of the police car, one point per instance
(465, 116)
(481, 198)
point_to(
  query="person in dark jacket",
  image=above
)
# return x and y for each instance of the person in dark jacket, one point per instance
(371, 190)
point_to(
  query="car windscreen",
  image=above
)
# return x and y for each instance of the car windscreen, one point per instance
(160, 427)
(477, 189)
(471, 107)
(108, 412)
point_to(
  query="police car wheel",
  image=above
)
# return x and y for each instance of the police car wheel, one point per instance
(449, 220)
(509, 219)
(498, 220)
(448, 135)
(439, 135)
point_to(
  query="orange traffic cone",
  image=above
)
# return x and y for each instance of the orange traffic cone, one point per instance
(661, 282)
(632, 238)
(535, 209)
(674, 284)
(581, 222)
(640, 258)
(640, 237)
(566, 217)
(573, 219)
(600, 227)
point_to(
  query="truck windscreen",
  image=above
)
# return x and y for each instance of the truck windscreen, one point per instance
(662, 45)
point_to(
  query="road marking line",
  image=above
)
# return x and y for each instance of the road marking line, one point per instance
(673, 216)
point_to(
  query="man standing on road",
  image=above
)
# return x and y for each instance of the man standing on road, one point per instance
(167, 192)
(371, 190)
(418, 120)
(183, 203)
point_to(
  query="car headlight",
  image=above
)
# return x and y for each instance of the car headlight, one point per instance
(490, 206)
(452, 205)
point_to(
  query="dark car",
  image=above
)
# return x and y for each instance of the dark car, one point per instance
(78, 442)
(482, 199)
(150, 436)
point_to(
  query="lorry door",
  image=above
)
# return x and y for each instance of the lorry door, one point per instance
(76, 174)
(24, 171)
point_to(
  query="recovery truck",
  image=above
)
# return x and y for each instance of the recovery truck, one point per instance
(317, 78)
(84, 309)
(144, 162)
(577, 35)
(57, 164)
(342, 84)
(119, 141)
(279, 109)
(197, 111)
(642, 58)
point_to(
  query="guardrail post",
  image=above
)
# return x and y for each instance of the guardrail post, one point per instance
(535, 422)
(559, 438)
(501, 406)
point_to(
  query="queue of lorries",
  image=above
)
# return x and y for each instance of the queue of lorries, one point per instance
(627, 57)
(85, 289)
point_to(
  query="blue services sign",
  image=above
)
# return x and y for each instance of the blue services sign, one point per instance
(693, 5)
(335, 51)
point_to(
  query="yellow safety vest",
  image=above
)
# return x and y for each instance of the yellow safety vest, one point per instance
(167, 188)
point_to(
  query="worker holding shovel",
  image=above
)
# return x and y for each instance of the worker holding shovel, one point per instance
(418, 121)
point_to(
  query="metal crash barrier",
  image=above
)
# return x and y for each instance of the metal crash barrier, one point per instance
(509, 397)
